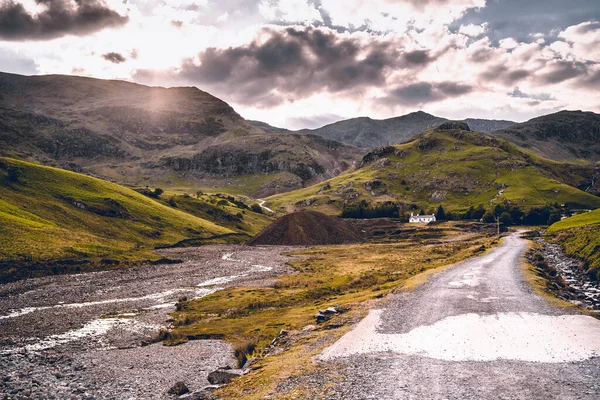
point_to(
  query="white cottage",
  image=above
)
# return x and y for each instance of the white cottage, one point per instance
(421, 219)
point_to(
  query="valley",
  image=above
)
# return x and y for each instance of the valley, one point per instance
(154, 244)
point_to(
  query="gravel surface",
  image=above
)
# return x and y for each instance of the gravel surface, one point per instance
(443, 341)
(80, 336)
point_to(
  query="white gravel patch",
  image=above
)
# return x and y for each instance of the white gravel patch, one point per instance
(516, 336)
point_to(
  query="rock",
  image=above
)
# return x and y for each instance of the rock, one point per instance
(222, 375)
(249, 363)
(204, 394)
(178, 389)
(320, 318)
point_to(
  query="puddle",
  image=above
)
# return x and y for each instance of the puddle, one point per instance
(219, 281)
(158, 297)
(472, 337)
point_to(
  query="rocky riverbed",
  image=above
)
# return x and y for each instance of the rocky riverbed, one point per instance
(580, 289)
(80, 336)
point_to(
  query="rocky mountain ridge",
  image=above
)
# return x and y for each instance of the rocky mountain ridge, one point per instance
(138, 134)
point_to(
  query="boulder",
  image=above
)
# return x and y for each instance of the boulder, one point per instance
(224, 375)
(178, 389)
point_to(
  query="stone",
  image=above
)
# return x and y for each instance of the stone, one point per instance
(222, 376)
(178, 389)
(320, 318)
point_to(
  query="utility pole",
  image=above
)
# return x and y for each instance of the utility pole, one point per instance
(498, 225)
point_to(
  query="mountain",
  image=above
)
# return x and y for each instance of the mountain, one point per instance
(365, 132)
(137, 134)
(566, 135)
(453, 167)
(488, 125)
(52, 218)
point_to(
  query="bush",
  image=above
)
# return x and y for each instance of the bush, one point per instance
(242, 350)
(256, 208)
(440, 215)
(506, 219)
(363, 210)
(14, 174)
(488, 217)
(172, 202)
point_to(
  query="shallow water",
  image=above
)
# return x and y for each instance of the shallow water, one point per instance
(471, 337)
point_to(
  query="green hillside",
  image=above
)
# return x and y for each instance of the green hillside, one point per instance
(50, 214)
(580, 237)
(588, 219)
(454, 168)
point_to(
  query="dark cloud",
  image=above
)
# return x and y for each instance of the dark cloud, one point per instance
(502, 73)
(113, 57)
(564, 70)
(417, 57)
(59, 18)
(425, 92)
(517, 93)
(295, 63)
(519, 19)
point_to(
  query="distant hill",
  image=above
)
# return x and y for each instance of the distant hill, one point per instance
(52, 217)
(454, 168)
(488, 125)
(566, 135)
(367, 133)
(137, 134)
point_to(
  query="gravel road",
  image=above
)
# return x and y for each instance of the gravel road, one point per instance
(473, 331)
(79, 336)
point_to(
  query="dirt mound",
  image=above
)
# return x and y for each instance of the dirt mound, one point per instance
(306, 228)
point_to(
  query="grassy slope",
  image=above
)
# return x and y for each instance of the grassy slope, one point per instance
(51, 214)
(219, 209)
(580, 237)
(466, 168)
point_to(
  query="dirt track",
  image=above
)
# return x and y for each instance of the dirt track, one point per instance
(474, 331)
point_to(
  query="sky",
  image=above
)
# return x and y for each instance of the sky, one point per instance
(306, 63)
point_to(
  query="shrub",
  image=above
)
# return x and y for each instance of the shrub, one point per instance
(243, 349)
(14, 174)
(488, 217)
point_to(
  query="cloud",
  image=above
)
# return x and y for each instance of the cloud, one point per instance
(115, 58)
(294, 63)
(473, 30)
(58, 18)
(508, 75)
(563, 70)
(517, 93)
(424, 92)
(313, 121)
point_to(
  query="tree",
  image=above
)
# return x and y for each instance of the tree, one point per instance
(506, 219)
(488, 217)
(440, 215)
(14, 174)
(554, 217)
(479, 212)
(158, 192)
